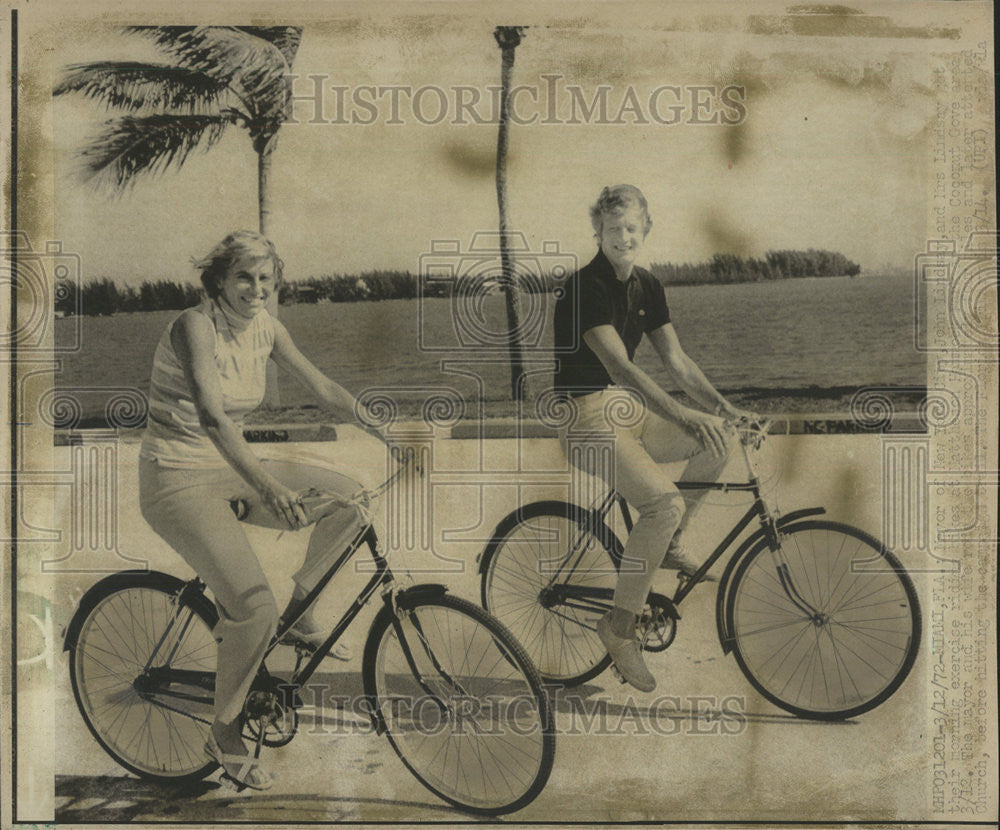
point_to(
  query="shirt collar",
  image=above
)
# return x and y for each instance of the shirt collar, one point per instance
(606, 270)
(234, 322)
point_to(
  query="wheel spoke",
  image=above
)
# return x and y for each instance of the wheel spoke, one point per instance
(865, 631)
(560, 639)
(115, 642)
(468, 747)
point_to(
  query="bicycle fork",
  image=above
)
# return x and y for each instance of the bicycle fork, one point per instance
(417, 651)
(774, 537)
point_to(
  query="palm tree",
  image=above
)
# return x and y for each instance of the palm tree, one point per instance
(508, 38)
(220, 76)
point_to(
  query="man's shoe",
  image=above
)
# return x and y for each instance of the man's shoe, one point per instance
(625, 653)
(312, 640)
(678, 559)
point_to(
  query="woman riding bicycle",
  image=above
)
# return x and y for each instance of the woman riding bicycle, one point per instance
(208, 372)
(600, 320)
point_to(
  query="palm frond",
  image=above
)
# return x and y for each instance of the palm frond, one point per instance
(224, 52)
(132, 146)
(285, 38)
(250, 60)
(136, 86)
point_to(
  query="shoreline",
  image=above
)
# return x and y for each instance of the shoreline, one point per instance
(847, 409)
(279, 432)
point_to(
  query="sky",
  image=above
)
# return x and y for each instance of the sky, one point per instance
(833, 151)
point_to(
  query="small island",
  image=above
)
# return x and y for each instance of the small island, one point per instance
(775, 265)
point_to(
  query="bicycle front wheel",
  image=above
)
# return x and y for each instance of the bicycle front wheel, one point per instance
(460, 702)
(831, 633)
(130, 627)
(549, 544)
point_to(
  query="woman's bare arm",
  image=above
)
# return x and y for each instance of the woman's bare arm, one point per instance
(333, 397)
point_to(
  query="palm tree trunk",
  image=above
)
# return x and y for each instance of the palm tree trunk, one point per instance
(508, 37)
(272, 397)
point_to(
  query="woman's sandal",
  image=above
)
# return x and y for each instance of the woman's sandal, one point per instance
(249, 764)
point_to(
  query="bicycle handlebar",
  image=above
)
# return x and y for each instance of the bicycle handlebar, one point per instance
(319, 500)
(366, 494)
(752, 431)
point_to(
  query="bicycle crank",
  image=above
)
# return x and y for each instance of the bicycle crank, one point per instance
(269, 714)
(657, 625)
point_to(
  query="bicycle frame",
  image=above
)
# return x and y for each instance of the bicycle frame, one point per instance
(757, 510)
(770, 529)
(157, 680)
(382, 577)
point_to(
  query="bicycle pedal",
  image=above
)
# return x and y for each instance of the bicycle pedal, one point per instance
(617, 672)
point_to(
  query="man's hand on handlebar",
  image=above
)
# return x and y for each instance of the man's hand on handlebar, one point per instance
(710, 430)
(737, 416)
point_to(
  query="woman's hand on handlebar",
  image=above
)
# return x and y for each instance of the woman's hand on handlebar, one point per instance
(284, 503)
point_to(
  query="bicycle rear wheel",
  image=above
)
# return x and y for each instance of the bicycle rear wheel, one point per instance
(460, 702)
(126, 625)
(523, 556)
(842, 639)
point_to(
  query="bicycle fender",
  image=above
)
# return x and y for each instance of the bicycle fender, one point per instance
(100, 588)
(406, 600)
(409, 597)
(723, 592)
(518, 515)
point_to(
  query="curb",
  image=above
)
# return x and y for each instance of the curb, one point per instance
(904, 423)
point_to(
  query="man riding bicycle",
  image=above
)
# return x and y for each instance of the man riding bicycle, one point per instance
(599, 322)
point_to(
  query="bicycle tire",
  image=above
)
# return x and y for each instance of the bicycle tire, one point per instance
(472, 673)
(562, 642)
(118, 623)
(855, 652)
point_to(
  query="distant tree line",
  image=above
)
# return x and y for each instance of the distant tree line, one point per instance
(349, 288)
(104, 296)
(776, 265)
(396, 285)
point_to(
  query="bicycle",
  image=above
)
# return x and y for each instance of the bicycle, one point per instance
(822, 619)
(455, 694)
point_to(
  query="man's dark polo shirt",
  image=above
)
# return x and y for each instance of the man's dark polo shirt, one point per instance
(596, 297)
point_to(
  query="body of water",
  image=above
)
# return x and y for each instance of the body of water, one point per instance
(788, 334)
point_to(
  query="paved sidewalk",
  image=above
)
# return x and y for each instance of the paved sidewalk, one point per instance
(704, 746)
